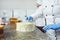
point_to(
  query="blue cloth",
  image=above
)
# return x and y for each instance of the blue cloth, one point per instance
(29, 18)
(52, 26)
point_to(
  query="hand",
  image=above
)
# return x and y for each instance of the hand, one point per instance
(29, 18)
(50, 26)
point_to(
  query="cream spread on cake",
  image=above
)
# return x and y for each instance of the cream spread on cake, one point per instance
(25, 26)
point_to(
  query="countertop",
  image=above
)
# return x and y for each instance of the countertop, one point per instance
(10, 34)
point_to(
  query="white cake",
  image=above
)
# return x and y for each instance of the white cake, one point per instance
(25, 26)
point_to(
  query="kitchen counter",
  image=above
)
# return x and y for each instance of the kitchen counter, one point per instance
(16, 35)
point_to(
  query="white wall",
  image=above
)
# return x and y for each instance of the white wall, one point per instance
(20, 7)
(9, 4)
(21, 13)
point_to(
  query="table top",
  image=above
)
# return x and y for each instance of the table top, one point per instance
(16, 35)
